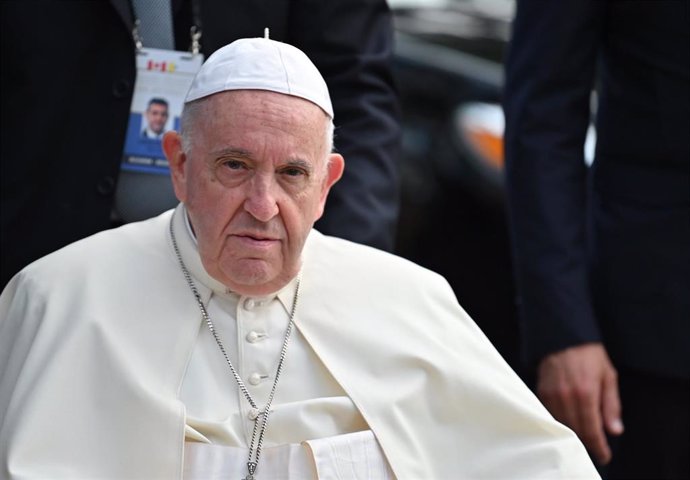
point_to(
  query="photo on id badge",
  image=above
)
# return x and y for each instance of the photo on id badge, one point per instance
(143, 151)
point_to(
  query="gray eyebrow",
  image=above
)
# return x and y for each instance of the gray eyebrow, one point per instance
(240, 152)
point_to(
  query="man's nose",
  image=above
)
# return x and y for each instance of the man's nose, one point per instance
(261, 201)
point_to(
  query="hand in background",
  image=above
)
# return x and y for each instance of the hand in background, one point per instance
(579, 386)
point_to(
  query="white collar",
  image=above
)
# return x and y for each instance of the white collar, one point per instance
(153, 135)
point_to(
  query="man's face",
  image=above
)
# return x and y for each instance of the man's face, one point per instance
(254, 182)
(156, 117)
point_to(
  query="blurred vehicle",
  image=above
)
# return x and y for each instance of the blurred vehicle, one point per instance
(448, 60)
(448, 63)
(449, 67)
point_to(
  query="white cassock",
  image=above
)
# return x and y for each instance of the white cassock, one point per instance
(106, 371)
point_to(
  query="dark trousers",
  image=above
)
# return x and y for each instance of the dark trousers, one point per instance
(656, 441)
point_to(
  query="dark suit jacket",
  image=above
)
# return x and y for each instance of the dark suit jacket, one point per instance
(602, 254)
(68, 71)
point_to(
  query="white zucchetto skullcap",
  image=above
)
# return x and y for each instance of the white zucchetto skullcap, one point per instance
(261, 64)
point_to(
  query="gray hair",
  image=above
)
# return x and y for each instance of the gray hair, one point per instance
(192, 110)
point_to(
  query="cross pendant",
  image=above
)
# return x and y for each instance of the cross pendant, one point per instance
(251, 468)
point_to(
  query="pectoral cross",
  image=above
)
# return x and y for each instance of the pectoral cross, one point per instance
(251, 468)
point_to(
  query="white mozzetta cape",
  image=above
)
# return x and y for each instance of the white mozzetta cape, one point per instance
(94, 340)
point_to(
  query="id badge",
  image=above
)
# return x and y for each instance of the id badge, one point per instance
(162, 81)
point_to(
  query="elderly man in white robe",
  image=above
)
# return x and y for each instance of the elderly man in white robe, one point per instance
(228, 339)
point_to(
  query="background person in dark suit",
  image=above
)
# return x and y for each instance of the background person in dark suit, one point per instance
(80, 58)
(603, 256)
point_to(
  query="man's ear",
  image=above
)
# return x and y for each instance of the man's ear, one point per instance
(172, 146)
(334, 170)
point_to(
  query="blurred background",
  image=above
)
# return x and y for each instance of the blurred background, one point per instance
(448, 64)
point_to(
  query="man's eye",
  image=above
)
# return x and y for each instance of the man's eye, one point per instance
(293, 172)
(234, 164)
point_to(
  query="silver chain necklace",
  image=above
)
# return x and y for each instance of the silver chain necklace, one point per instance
(253, 460)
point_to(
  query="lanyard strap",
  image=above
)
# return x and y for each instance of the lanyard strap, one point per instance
(158, 26)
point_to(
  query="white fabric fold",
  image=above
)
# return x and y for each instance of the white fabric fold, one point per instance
(354, 456)
(216, 462)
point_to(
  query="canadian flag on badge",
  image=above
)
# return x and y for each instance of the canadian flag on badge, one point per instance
(160, 66)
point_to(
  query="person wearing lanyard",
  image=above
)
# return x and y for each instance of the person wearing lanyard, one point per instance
(73, 84)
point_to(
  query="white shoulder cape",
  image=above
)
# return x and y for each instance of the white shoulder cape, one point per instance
(95, 338)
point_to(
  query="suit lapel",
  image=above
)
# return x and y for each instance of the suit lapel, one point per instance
(124, 11)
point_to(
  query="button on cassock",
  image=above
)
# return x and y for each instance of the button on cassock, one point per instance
(253, 413)
(253, 337)
(255, 379)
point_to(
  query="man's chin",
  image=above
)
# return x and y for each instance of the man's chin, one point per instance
(252, 277)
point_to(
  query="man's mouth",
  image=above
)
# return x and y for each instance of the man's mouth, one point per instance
(255, 239)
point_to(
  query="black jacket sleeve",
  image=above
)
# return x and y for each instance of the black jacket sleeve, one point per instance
(351, 42)
(549, 76)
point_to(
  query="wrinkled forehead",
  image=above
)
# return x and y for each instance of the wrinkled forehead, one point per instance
(266, 102)
(280, 114)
